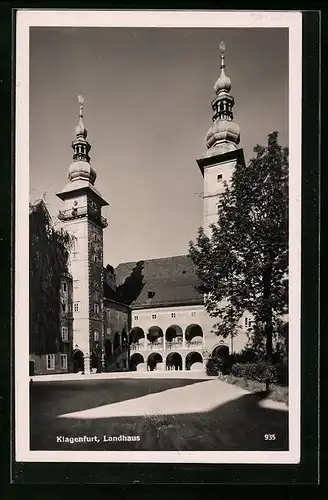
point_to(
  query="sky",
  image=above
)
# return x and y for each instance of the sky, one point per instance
(147, 94)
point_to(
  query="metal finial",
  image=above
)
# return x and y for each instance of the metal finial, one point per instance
(81, 101)
(222, 49)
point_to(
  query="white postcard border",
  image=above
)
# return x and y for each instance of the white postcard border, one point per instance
(192, 19)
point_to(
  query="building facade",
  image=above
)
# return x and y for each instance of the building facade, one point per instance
(144, 315)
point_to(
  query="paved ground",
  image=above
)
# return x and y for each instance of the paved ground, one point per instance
(168, 414)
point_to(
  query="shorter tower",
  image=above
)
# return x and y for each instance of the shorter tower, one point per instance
(222, 139)
(81, 217)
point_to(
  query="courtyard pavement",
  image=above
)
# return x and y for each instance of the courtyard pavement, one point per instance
(152, 414)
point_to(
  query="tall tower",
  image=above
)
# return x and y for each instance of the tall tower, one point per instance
(222, 139)
(81, 217)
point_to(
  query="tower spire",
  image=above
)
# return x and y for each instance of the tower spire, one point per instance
(223, 134)
(81, 169)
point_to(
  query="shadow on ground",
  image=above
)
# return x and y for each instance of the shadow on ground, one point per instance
(238, 425)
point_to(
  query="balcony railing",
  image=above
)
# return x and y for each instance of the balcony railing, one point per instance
(168, 346)
(77, 213)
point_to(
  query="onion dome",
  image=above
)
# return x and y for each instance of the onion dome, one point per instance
(223, 130)
(223, 83)
(224, 133)
(81, 169)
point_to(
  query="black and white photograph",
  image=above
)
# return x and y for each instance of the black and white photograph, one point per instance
(158, 215)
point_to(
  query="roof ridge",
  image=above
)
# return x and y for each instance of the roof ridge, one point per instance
(151, 260)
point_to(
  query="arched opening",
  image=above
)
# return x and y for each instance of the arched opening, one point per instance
(194, 361)
(108, 348)
(124, 337)
(135, 360)
(220, 351)
(155, 335)
(194, 334)
(174, 361)
(78, 361)
(174, 334)
(136, 334)
(117, 341)
(153, 359)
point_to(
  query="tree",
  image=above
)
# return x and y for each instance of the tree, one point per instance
(48, 260)
(243, 264)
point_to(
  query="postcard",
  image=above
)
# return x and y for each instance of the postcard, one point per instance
(158, 236)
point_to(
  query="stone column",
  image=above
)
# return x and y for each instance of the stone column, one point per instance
(183, 340)
(183, 363)
(86, 359)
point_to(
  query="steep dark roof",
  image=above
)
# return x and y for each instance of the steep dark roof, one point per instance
(166, 281)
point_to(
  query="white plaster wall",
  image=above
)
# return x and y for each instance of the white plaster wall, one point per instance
(79, 268)
(213, 189)
(185, 316)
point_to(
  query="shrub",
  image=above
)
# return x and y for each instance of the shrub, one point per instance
(261, 371)
(216, 365)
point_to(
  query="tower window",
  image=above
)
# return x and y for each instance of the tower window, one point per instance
(96, 286)
(65, 286)
(172, 315)
(76, 307)
(136, 318)
(96, 308)
(96, 336)
(95, 259)
(153, 316)
(50, 358)
(63, 361)
(246, 321)
(64, 333)
(151, 294)
(219, 177)
(64, 306)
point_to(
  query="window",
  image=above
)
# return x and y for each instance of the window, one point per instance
(193, 313)
(70, 308)
(50, 359)
(108, 331)
(65, 286)
(219, 177)
(151, 294)
(95, 258)
(96, 336)
(64, 333)
(153, 316)
(64, 306)
(250, 323)
(135, 318)
(76, 307)
(96, 308)
(172, 315)
(63, 361)
(96, 286)
(246, 321)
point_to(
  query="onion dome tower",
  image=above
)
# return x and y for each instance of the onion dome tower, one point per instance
(224, 133)
(222, 154)
(82, 217)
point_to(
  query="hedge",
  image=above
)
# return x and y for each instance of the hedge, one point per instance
(262, 371)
